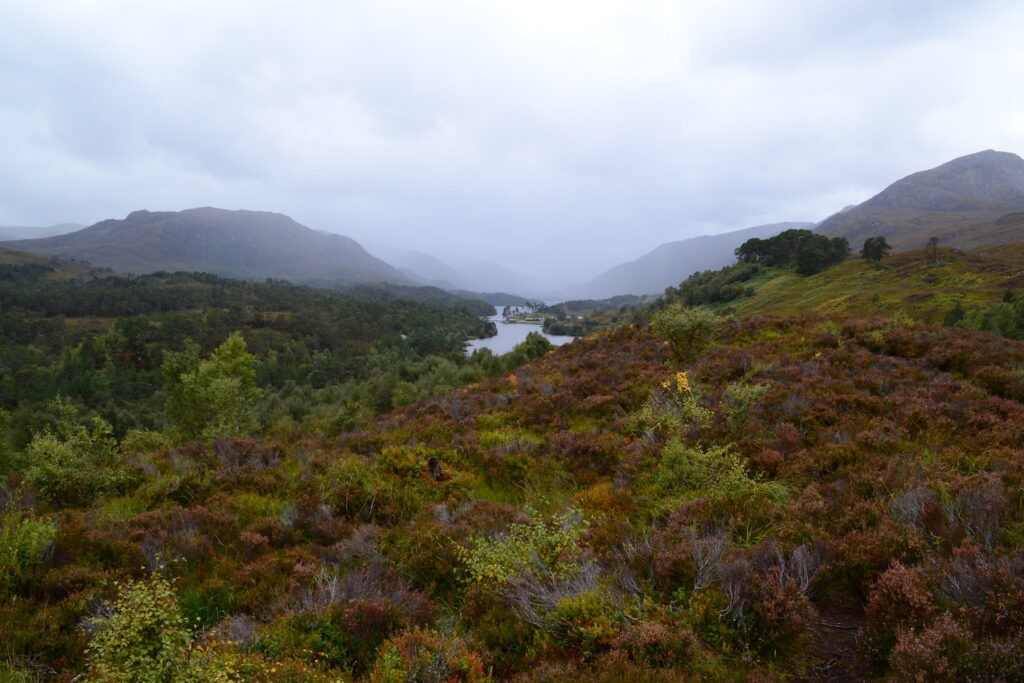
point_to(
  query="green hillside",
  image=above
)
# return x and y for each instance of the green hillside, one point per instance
(50, 268)
(909, 283)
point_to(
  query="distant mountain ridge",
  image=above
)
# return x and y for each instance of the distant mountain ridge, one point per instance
(964, 202)
(27, 232)
(454, 272)
(672, 262)
(239, 244)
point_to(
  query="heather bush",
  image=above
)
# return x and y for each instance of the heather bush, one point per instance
(657, 644)
(899, 599)
(421, 656)
(780, 585)
(536, 594)
(586, 623)
(507, 640)
(684, 560)
(948, 650)
(978, 510)
(344, 636)
(425, 552)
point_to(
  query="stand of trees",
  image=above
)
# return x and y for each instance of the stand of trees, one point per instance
(807, 251)
(715, 286)
(875, 249)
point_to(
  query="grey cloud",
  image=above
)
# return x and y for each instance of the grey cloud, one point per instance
(526, 130)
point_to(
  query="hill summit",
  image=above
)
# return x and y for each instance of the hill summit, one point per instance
(240, 244)
(963, 202)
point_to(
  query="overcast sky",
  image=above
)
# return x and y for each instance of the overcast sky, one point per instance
(559, 136)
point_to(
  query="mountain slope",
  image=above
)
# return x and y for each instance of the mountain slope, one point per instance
(240, 244)
(54, 269)
(963, 202)
(671, 262)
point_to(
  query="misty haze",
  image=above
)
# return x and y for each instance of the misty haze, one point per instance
(535, 341)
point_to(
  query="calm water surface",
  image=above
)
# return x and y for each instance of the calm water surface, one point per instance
(510, 334)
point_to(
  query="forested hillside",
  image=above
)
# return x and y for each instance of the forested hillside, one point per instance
(323, 359)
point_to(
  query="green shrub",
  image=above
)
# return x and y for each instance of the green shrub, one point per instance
(23, 544)
(741, 396)
(511, 439)
(404, 462)
(552, 544)
(678, 404)
(212, 397)
(357, 489)
(147, 640)
(6, 454)
(144, 441)
(718, 473)
(74, 464)
(687, 330)
(10, 674)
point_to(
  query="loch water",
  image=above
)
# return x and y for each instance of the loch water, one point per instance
(510, 334)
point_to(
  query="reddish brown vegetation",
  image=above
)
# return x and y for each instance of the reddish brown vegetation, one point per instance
(898, 450)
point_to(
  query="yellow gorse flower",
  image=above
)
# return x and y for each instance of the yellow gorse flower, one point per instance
(682, 383)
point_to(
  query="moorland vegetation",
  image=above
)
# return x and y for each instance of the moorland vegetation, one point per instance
(835, 493)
